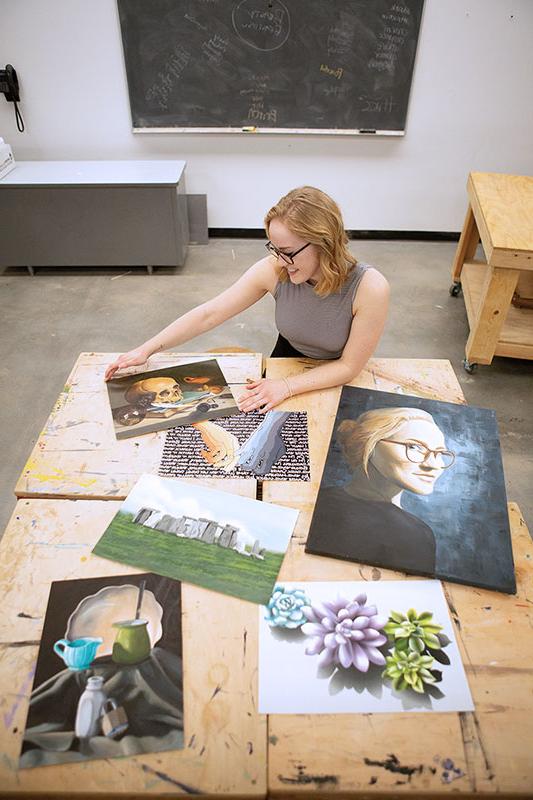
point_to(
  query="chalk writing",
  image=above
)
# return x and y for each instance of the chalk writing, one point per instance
(259, 110)
(259, 115)
(260, 28)
(195, 22)
(269, 21)
(389, 43)
(335, 91)
(340, 37)
(172, 70)
(399, 9)
(214, 48)
(335, 72)
(377, 104)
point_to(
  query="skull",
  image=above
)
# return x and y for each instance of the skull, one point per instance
(166, 390)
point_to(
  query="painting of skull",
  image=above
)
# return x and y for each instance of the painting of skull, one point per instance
(167, 397)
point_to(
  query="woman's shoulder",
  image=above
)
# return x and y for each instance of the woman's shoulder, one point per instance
(266, 273)
(373, 287)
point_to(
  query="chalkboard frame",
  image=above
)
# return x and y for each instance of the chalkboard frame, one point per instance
(255, 129)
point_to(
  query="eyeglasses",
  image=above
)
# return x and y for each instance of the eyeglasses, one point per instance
(288, 258)
(418, 453)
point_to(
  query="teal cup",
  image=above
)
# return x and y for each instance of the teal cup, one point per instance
(78, 653)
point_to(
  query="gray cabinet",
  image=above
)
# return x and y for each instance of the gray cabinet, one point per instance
(94, 213)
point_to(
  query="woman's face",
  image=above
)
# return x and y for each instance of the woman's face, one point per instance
(391, 461)
(306, 265)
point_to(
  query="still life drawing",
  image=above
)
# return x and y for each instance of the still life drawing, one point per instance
(224, 542)
(163, 398)
(363, 647)
(271, 446)
(108, 681)
(415, 485)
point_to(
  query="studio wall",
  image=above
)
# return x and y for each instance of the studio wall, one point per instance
(469, 109)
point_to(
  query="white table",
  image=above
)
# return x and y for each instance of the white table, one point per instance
(94, 213)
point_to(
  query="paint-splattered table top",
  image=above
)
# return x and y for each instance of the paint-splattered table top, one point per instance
(480, 753)
(430, 755)
(230, 749)
(77, 454)
(225, 737)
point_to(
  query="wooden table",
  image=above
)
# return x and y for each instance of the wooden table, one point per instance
(225, 738)
(77, 454)
(500, 213)
(231, 750)
(374, 754)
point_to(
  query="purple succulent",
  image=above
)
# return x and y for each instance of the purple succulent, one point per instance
(345, 632)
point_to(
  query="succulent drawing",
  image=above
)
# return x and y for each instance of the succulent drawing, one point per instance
(408, 669)
(417, 641)
(345, 633)
(285, 607)
(413, 631)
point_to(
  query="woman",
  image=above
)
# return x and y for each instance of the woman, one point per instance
(389, 450)
(328, 306)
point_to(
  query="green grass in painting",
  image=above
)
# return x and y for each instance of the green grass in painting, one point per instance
(208, 565)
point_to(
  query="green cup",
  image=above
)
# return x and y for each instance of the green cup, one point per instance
(132, 643)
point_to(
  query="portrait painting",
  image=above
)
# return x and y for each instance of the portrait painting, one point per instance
(108, 681)
(164, 398)
(415, 485)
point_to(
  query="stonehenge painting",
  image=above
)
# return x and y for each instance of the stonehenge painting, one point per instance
(221, 541)
(205, 530)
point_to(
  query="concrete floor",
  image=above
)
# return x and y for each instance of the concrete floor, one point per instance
(47, 320)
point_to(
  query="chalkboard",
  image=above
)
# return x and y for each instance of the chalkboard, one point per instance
(335, 66)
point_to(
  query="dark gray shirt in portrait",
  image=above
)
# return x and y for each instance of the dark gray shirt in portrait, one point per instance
(376, 533)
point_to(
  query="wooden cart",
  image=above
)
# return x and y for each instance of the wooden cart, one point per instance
(498, 292)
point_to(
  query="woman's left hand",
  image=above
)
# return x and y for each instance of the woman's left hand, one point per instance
(262, 395)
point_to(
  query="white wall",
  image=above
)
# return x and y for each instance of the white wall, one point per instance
(470, 109)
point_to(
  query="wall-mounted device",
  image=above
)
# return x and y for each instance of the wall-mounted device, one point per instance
(9, 85)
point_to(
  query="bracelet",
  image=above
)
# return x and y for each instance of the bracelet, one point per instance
(287, 384)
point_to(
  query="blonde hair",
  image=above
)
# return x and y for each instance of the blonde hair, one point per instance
(359, 437)
(313, 215)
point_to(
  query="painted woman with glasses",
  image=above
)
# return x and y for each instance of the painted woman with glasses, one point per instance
(389, 451)
(328, 306)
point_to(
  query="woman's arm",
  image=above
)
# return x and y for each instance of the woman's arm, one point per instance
(251, 287)
(370, 312)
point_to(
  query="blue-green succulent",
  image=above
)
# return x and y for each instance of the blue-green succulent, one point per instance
(284, 609)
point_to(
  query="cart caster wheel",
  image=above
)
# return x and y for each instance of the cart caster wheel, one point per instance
(455, 289)
(468, 366)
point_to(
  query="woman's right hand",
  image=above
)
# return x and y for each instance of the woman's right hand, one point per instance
(135, 358)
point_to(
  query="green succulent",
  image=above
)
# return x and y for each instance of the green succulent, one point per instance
(409, 670)
(413, 631)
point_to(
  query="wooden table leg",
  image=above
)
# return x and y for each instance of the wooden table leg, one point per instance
(494, 302)
(467, 245)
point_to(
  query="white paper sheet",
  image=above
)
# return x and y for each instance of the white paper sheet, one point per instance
(291, 682)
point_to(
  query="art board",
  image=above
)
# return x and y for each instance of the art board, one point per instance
(224, 542)
(415, 485)
(169, 396)
(359, 647)
(272, 446)
(108, 680)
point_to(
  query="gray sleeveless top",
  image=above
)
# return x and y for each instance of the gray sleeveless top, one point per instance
(317, 326)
